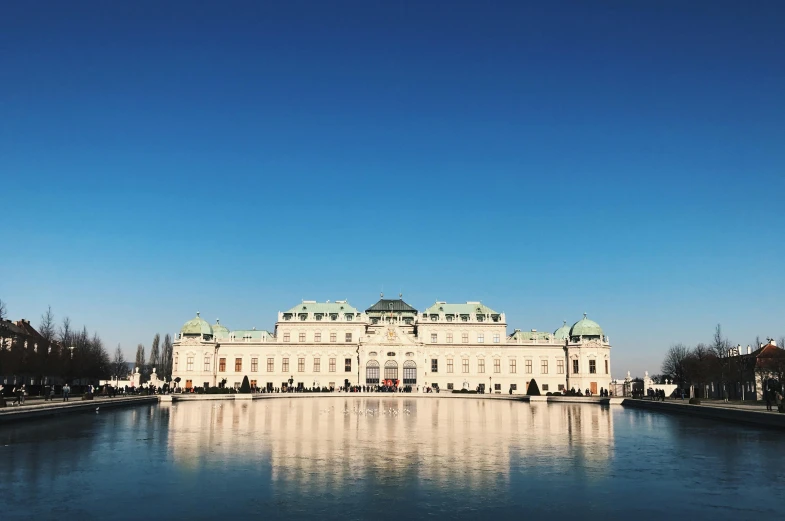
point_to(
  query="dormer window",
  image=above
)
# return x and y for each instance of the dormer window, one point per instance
(287, 316)
(349, 317)
(449, 317)
(464, 318)
(318, 316)
(333, 316)
(435, 318)
(303, 316)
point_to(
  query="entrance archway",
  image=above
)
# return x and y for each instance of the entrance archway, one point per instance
(391, 370)
(372, 372)
(409, 372)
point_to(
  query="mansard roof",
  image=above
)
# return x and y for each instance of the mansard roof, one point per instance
(460, 309)
(311, 306)
(386, 305)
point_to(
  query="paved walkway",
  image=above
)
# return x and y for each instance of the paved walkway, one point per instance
(38, 407)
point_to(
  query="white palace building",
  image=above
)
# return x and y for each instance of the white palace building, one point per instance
(449, 346)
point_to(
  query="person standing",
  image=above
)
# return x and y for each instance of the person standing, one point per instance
(66, 392)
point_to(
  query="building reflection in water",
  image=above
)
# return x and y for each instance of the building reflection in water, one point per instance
(323, 442)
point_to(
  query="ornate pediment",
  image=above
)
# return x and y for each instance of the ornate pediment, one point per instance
(191, 341)
(391, 335)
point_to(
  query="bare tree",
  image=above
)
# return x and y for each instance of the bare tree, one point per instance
(140, 359)
(719, 348)
(65, 334)
(166, 357)
(155, 355)
(3, 310)
(48, 329)
(119, 365)
(675, 363)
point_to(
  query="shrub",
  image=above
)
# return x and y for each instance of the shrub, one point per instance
(695, 401)
(245, 387)
(534, 389)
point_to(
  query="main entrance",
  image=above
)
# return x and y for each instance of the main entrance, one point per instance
(372, 372)
(391, 370)
(409, 372)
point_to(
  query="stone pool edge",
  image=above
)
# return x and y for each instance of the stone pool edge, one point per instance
(28, 412)
(743, 416)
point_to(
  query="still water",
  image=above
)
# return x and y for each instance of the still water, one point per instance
(388, 458)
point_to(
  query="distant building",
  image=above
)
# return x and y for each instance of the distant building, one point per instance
(450, 346)
(24, 354)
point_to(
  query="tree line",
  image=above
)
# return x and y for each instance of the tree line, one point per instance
(160, 358)
(52, 356)
(62, 351)
(712, 362)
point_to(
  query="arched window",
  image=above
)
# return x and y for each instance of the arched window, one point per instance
(372, 372)
(409, 372)
(391, 370)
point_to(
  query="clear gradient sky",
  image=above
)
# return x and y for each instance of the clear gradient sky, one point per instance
(624, 159)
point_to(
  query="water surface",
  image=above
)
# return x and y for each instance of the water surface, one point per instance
(388, 458)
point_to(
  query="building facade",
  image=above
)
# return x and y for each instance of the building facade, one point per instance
(449, 346)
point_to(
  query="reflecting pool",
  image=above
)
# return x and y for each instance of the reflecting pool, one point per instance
(388, 458)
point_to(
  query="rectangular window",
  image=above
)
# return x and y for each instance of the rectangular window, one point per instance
(544, 387)
(496, 338)
(222, 365)
(317, 337)
(560, 366)
(606, 367)
(529, 367)
(285, 365)
(514, 387)
(176, 362)
(286, 337)
(348, 337)
(575, 367)
(497, 387)
(302, 337)
(254, 365)
(449, 338)
(434, 336)
(270, 365)
(347, 365)
(301, 365)
(189, 363)
(333, 337)
(317, 365)
(332, 365)
(465, 338)
(480, 338)
(206, 364)
(449, 387)
(449, 365)
(561, 387)
(543, 367)
(253, 384)
(465, 365)
(238, 365)
(497, 365)
(592, 366)
(481, 365)
(434, 365)
(514, 366)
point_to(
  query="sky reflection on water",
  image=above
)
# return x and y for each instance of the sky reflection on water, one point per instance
(385, 458)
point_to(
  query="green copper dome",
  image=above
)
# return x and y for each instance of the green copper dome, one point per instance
(196, 326)
(563, 332)
(220, 330)
(586, 327)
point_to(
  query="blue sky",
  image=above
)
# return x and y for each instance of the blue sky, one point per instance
(623, 159)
